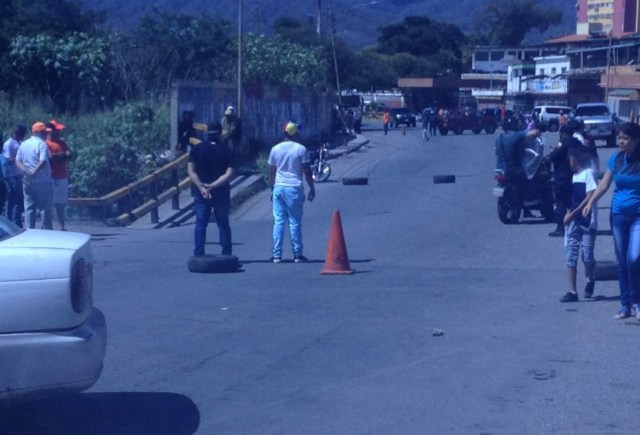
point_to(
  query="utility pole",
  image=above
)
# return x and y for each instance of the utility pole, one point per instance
(333, 47)
(239, 111)
(606, 89)
(319, 18)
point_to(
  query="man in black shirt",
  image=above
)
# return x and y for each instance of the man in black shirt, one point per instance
(211, 170)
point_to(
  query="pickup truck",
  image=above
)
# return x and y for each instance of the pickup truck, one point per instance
(599, 123)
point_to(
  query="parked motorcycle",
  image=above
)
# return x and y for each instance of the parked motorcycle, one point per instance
(537, 195)
(320, 169)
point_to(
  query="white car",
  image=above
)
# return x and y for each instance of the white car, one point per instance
(52, 340)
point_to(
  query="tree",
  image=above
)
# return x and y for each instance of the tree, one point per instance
(167, 47)
(424, 38)
(507, 22)
(275, 61)
(52, 17)
(299, 32)
(70, 70)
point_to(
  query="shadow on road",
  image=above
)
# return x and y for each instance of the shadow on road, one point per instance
(103, 414)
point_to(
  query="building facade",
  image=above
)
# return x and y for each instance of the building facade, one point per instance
(619, 17)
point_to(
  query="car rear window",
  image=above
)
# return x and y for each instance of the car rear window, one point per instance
(592, 111)
(8, 229)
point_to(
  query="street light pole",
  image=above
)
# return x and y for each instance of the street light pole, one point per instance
(319, 18)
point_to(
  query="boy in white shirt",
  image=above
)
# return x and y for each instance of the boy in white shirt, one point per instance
(580, 231)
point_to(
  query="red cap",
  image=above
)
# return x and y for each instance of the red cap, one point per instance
(39, 127)
(57, 125)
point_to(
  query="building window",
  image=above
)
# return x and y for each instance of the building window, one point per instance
(541, 71)
(564, 69)
(553, 71)
(481, 55)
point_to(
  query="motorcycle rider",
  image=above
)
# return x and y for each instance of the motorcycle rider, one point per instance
(510, 146)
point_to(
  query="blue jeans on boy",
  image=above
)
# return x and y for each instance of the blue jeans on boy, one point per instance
(202, 207)
(626, 237)
(287, 206)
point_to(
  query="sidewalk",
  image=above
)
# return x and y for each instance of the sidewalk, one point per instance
(242, 187)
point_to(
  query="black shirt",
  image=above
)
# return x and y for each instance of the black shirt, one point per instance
(211, 161)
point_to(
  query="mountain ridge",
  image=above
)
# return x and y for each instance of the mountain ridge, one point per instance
(355, 23)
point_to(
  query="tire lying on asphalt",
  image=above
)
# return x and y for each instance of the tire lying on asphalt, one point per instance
(441, 179)
(355, 181)
(213, 264)
(606, 271)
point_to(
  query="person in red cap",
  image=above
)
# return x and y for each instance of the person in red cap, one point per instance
(33, 160)
(59, 153)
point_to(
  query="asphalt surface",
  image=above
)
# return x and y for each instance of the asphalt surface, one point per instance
(450, 325)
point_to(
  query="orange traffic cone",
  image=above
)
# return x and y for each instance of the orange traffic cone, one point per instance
(336, 261)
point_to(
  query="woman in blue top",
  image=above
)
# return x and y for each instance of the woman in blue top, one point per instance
(624, 168)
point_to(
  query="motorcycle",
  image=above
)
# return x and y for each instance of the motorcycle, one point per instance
(537, 195)
(320, 169)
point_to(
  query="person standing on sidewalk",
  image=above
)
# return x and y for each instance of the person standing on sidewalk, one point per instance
(288, 163)
(211, 170)
(15, 202)
(59, 153)
(33, 161)
(385, 120)
(623, 168)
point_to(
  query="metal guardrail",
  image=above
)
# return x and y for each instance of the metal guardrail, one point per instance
(149, 187)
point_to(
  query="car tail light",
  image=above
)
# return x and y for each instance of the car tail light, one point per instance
(502, 178)
(81, 286)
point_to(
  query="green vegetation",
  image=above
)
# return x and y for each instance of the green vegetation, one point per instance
(111, 89)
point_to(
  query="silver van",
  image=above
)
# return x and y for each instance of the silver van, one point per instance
(548, 117)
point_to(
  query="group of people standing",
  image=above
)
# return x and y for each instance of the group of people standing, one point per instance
(35, 176)
(576, 193)
(211, 169)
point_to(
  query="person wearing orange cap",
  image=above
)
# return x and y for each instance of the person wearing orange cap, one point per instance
(288, 163)
(59, 153)
(33, 160)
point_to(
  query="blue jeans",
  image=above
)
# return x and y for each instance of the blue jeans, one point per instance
(287, 206)
(15, 201)
(626, 237)
(38, 196)
(577, 237)
(202, 207)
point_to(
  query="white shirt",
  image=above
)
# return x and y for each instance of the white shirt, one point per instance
(289, 159)
(10, 151)
(31, 152)
(587, 181)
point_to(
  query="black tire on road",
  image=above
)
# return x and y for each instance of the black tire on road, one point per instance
(553, 127)
(355, 181)
(443, 179)
(213, 264)
(606, 271)
(506, 213)
(458, 130)
(490, 129)
(611, 141)
(443, 131)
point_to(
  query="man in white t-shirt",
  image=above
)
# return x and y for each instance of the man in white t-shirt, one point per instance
(288, 163)
(33, 160)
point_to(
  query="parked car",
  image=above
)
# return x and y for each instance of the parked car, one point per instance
(402, 116)
(548, 117)
(599, 123)
(52, 339)
(460, 120)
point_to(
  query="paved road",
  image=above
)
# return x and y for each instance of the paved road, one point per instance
(280, 349)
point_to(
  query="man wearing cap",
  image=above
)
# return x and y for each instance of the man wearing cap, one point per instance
(15, 200)
(33, 161)
(230, 125)
(211, 170)
(288, 162)
(59, 153)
